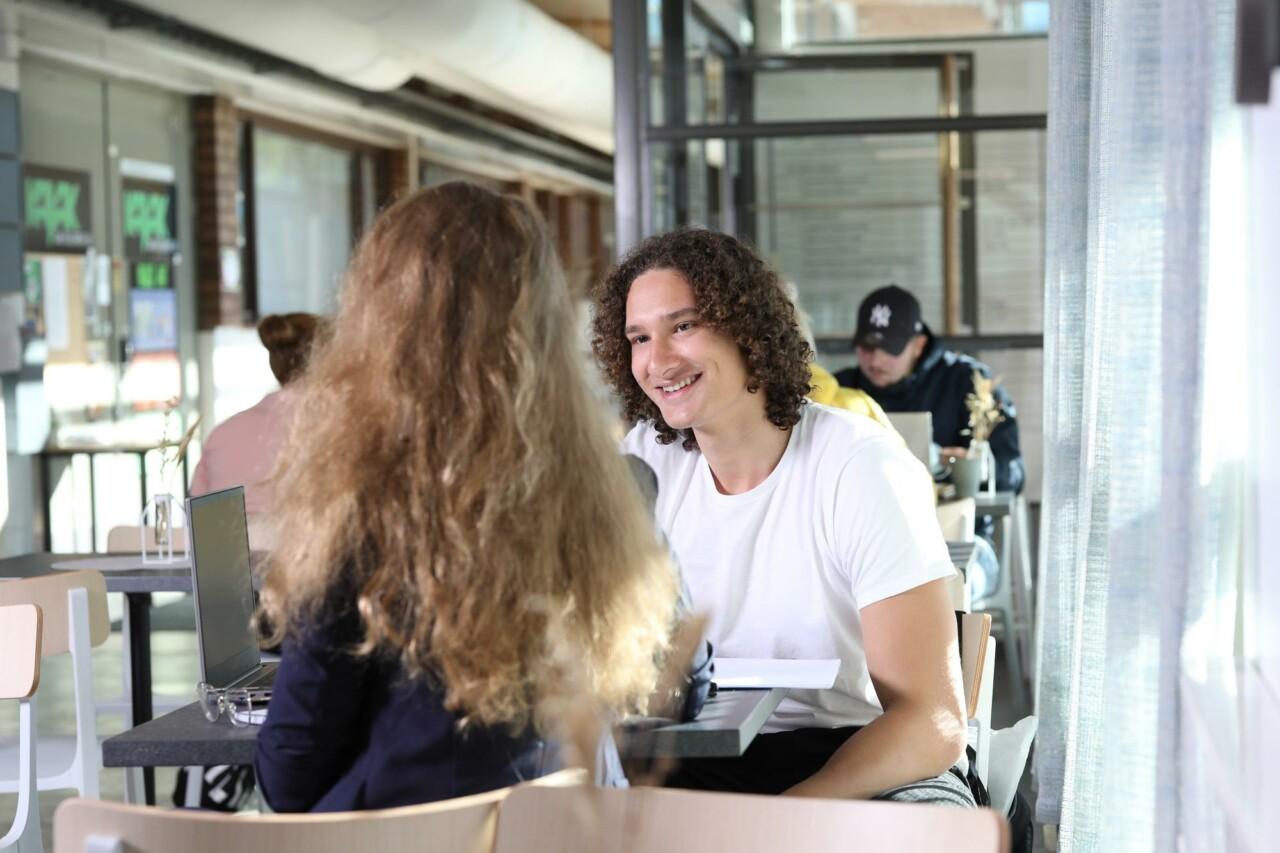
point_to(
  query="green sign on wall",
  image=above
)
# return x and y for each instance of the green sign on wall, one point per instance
(150, 219)
(150, 232)
(56, 210)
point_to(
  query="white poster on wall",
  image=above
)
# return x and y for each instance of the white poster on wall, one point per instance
(57, 321)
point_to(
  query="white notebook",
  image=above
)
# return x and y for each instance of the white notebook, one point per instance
(762, 673)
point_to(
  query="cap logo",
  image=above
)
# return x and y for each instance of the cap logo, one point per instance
(880, 315)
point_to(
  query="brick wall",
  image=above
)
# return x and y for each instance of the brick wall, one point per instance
(216, 129)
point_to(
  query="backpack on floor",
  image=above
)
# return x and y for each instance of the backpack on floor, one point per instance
(219, 788)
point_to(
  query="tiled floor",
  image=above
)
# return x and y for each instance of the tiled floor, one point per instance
(175, 673)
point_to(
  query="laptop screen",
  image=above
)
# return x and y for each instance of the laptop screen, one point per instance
(222, 586)
(916, 429)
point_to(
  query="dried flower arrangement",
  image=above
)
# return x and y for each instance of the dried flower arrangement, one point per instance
(984, 409)
(172, 452)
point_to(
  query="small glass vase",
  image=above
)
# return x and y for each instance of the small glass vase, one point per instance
(981, 450)
(158, 519)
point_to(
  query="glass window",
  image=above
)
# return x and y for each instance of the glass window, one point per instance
(302, 195)
(843, 215)
(807, 22)
(1008, 212)
(828, 94)
(431, 173)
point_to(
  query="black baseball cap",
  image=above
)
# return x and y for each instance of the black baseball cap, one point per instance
(887, 319)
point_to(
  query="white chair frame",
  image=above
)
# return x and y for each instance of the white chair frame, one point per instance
(84, 766)
(20, 627)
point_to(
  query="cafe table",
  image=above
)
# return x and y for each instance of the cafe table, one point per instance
(127, 575)
(729, 721)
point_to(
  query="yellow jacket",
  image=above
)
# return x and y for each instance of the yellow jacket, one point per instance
(827, 391)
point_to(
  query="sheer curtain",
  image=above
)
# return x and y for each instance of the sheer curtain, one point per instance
(1145, 358)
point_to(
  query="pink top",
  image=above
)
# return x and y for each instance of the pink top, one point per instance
(242, 450)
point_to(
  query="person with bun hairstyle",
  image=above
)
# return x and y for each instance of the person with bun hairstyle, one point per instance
(242, 450)
(463, 553)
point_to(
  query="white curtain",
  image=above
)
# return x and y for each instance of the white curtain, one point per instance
(1145, 360)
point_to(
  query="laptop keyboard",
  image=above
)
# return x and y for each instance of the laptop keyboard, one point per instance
(262, 678)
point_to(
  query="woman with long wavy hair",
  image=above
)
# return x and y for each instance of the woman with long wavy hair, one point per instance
(455, 516)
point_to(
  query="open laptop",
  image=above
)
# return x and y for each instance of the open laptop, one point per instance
(916, 429)
(222, 587)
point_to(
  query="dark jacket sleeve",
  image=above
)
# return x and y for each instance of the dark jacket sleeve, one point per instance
(313, 729)
(1010, 472)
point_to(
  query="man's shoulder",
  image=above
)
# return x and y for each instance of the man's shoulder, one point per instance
(835, 436)
(642, 441)
(639, 439)
(851, 455)
(960, 365)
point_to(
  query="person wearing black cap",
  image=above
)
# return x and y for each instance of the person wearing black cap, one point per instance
(905, 369)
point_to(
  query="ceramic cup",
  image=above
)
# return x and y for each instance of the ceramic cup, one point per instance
(967, 476)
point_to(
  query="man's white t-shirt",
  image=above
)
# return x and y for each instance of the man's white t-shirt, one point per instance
(846, 519)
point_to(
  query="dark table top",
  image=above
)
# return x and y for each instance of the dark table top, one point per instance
(158, 579)
(999, 504)
(180, 738)
(153, 579)
(728, 723)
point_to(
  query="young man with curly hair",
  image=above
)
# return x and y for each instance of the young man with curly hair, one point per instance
(803, 531)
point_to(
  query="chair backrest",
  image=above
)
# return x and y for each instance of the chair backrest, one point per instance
(957, 519)
(49, 593)
(126, 539)
(20, 639)
(975, 634)
(649, 820)
(462, 825)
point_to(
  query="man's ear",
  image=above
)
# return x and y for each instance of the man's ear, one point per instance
(917, 347)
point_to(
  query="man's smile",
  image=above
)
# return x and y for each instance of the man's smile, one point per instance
(676, 389)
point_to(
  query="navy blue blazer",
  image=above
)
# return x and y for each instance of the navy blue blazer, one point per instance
(347, 733)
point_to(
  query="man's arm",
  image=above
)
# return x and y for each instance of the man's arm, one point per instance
(912, 654)
(1010, 472)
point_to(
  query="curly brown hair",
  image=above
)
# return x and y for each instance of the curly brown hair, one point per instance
(737, 294)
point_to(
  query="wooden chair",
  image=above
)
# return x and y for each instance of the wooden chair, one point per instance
(958, 519)
(19, 677)
(462, 825)
(74, 619)
(1001, 755)
(127, 539)
(654, 820)
(977, 671)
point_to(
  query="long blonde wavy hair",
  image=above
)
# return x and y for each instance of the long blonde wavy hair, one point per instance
(449, 474)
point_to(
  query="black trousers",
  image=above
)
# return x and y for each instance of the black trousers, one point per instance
(771, 764)
(775, 762)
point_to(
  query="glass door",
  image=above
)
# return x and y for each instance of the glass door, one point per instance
(108, 287)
